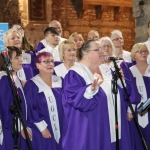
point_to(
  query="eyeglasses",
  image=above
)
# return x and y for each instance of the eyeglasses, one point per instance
(48, 61)
(117, 39)
(142, 51)
(97, 50)
(106, 46)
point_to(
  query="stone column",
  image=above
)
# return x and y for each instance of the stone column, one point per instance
(34, 28)
(141, 12)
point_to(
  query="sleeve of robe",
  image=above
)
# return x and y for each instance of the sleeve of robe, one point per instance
(74, 89)
(34, 103)
(39, 47)
(131, 87)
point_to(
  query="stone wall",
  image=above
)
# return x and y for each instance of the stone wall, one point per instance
(16, 11)
(67, 15)
(34, 29)
(141, 12)
(63, 11)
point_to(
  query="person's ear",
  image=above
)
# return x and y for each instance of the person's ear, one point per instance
(38, 65)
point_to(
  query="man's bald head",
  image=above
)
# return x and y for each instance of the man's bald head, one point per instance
(56, 24)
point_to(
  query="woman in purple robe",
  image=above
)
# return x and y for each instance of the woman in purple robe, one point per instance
(6, 98)
(44, 101)
(13, 37)
(141, 76)
(89, 122)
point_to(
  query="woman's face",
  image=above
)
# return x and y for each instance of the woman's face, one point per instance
(141, 54)
(118, 41)
(95, 54)
(70, 52)
(19, 28)
(78, 41)
(15, 40)
(16, 62)
(46, 65)
(107, 47)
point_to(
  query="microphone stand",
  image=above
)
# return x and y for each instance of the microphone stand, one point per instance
(15, 109)
(118, 75)
(115, 92)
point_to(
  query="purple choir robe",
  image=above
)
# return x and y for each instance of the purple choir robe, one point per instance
(134, 134)
(86, 121)
(41, 45)
(30, 70)
(6, 98)
(38, 111)
(132, 90)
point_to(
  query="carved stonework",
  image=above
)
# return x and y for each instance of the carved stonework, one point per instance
(37, 10)
(141, 13)
(11, 13)
(119, 8)
(78, 6)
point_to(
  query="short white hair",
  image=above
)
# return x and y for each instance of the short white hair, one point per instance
(114, 33)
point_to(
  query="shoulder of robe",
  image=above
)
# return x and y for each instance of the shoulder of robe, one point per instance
(78, 69)
(2, 73)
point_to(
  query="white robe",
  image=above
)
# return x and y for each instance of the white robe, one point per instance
(53, 51)
(61, 70)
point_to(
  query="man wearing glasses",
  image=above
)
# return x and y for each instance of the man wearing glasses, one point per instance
(117, 39)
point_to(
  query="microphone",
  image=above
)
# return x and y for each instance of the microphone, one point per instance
(4, 52)
(144, 107)
(108, 58)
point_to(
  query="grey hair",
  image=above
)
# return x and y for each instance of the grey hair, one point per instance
(108, 39)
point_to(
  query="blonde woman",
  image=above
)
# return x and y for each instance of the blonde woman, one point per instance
(141, 75)
(13, 37)
(67, 53)
(78, 39)
(93, 35)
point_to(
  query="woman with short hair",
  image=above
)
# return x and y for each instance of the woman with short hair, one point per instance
(13, 37)
(7, 99)
(141, 76)
(89, 120)
(67, 52)
(44, 101)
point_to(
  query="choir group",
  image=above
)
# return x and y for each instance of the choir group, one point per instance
(66, 94)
